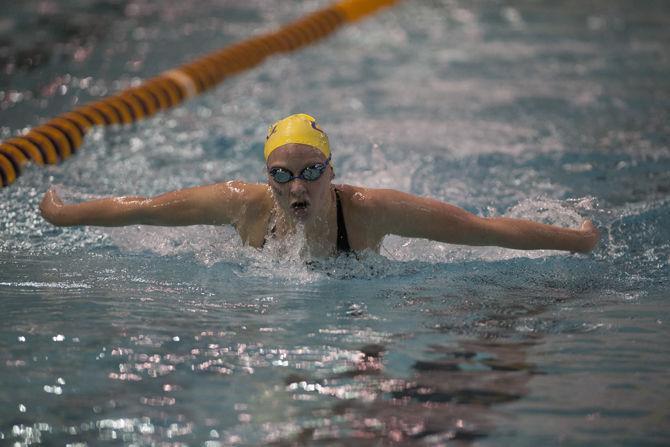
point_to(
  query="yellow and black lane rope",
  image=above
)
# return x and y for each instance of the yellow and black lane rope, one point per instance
(58, 139)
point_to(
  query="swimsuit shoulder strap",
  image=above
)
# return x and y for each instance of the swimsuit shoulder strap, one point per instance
(272, 226)
(342, 237)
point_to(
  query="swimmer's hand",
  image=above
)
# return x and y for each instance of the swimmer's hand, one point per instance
(52, 208)
(590, 236)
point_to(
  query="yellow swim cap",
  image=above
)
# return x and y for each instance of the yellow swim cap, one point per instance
(299, 128)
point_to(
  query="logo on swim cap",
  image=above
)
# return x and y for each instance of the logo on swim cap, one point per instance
(271, 130)
(299, 128)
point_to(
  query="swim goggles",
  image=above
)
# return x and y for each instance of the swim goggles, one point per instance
(310, 173)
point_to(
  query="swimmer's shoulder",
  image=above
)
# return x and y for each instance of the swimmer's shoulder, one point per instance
(361, 199)
(252, 197)
(249, 206)
(360, 207)
(232, 201)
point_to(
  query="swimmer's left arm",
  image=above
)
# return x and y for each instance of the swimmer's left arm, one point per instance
(420, 217)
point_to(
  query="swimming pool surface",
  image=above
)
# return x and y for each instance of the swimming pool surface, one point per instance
(553, 111)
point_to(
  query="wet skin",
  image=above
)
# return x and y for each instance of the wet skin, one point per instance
(301, 200)
(370, 214)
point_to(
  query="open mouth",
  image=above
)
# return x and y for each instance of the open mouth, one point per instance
(300, 205)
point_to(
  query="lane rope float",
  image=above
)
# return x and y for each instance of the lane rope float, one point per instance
(58, 139)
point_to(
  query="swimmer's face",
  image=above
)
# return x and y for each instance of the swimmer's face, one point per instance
(302, 199)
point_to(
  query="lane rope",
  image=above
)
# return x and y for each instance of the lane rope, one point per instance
(59, 138)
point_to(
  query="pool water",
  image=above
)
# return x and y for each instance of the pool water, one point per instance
(552, 111)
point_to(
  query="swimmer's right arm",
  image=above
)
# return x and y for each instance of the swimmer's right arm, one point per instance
(203, 205)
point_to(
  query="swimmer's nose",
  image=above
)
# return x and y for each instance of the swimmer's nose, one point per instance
(297, 187)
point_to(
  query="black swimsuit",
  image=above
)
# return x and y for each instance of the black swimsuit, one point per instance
(342, 237)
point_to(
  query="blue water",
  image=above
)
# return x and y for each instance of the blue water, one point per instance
(552, 111)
